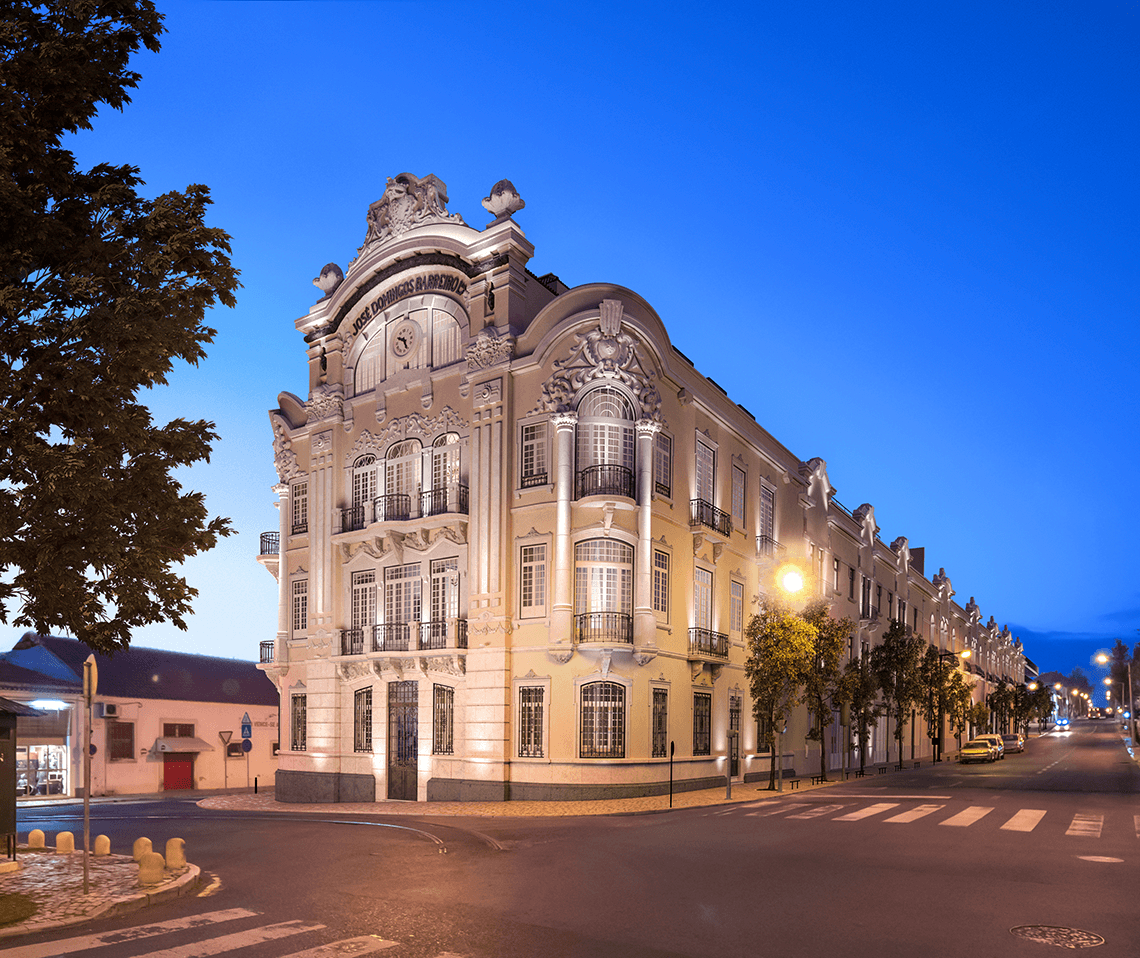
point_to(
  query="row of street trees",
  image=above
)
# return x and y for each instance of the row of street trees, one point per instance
(797, 659)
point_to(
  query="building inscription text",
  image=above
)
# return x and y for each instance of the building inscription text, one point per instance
(409, 287)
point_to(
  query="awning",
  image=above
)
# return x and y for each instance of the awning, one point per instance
(192, 744)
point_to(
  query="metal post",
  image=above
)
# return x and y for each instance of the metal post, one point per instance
(90, 678)
(728, 765)
(1131, 709)
(225, 737)
(672, 747)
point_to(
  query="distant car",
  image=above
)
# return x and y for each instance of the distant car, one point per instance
(1063, 725)
(978, 750)
(998, 744)
(1013, 742)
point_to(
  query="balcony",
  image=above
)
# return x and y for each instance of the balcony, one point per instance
(352, 518)
(270, 543)
(533, 479)
(436, 502)
(300, 528)
(604, 627)
(704, 643)
(391, 637)
(768, 547)
(267, 651)
(606, 480)
(702, 513)
(436, 634)
(393, 508)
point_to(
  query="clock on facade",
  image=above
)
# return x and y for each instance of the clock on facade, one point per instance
(405, 339)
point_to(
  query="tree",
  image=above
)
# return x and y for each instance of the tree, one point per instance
(823, 686)
(980, 715)
(780, 647)
(959, 700)
(101, 291)
(860, 690)
(896, 664)
(934, 680)
(1000, 701)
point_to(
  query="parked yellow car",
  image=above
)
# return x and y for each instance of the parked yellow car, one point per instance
(977, 750)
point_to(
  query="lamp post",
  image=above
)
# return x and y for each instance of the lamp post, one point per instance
(1102, 658)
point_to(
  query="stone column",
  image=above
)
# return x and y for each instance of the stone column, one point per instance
(644, 618)
(562, 610)
(284, 599)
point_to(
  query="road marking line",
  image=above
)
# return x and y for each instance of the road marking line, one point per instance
(240, 939)
(1025, 820)
(1136, 822)
(69, 946)
(867, 812)
(364, 945)
(967, 816)
(1086, 825)
(818, 810)
(777, 808)
(913, 814)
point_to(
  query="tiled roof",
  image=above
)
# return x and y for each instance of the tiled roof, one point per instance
(137, 672)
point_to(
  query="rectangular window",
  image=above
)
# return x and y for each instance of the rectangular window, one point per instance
(603, 720)
(736, 607)
(300, 606)
(663, 464)
(177, 730)
(902, 612)
(706, 473)
(702, 604)
(362, 721)
(767, 511)
(443, 720)
(299, 723)
(738, 497)
(661, 582)
(300, 499)
(530, 722)
(702, 723)
(851, 583)
(878, 598)
(532, 584)
(403, 594)
(534, 471)
(835, 574)
(363, 599)
(121, 740)
(660, 723)
(865, 597)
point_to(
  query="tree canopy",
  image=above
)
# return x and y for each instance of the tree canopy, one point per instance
(101, 291)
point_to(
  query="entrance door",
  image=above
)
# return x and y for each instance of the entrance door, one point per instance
(177, 770)
(403, 740)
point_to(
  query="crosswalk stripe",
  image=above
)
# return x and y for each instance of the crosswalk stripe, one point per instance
(1025, 820)
(818, 810)
(1087, 825)
(364, 945)
(967, 816)
(777, 808)
(240, 939)
(867, 812)
(913, 814)
(1136, 823)
(73, 946)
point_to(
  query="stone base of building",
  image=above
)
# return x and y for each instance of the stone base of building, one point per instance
(323, 787)
(460, 790)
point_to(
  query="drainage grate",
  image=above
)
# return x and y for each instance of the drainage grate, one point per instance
(1055, 935)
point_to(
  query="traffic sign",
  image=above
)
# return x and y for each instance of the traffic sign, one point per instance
(246, 745)
(246, 727)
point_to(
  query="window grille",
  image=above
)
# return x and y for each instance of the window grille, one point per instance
(603, 720)
(362, 721)
(121, 740)
(702, 723)
(299, 723)
(530, 722)
(443, 720)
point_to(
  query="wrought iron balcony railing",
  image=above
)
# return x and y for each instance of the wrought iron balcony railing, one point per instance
(391, 637)
(267, 650)
(352, 642)
(300, 528)
(605, 480)
(270, 543)
(604, 627)
(435, 634)
(702, 513)
(707, 642)
(352, 518)
(534, 479)
(767, 546)
(394, 508)
(435, 502)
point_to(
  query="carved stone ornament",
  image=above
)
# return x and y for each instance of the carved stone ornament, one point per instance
(322, 442)
(644, 656)
(408, 201)
(447, 664)
(284, 458)
(413, 426)
(489, 349)
(326, 402)
(351, 671)
(330, 278)
(560, 653)
(603, 353)
(820, 489)
(504, 201)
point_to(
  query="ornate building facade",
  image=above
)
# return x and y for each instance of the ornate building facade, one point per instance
(521, 535)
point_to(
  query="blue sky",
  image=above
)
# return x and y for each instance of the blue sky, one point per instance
(904, 236)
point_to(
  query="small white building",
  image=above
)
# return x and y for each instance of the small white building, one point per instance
(160, 721)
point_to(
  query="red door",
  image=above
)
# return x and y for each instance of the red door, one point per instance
(177, 770)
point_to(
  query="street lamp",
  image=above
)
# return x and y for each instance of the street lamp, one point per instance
(1102, 658)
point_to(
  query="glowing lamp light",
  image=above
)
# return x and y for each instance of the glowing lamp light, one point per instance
(48, 704)
(966, 653)
(792, 581)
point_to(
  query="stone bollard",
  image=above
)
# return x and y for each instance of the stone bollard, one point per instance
(102, 845)
(64, 843)
(142, 846)
(176, 853)
(151, 867)
(36, 838)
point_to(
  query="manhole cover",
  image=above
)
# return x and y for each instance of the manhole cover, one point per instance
(1055, 935)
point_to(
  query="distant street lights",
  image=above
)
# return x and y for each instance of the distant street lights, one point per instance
(1102, 658)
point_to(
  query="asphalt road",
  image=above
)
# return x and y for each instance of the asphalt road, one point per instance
(942, 861)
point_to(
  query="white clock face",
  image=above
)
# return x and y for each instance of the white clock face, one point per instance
(405, 339)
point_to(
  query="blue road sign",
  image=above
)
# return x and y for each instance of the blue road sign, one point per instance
(246, 727)
(247, 745)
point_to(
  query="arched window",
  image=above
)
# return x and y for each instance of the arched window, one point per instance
(445, 493)
(602, 721)
(401, 481)
(446, 339)
(605, 444)
(603, 591)
(363, 493)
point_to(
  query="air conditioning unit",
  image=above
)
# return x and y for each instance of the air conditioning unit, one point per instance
(106, 710)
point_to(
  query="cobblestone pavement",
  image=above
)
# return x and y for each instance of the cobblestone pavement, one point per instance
(55, 883)
(265, 802)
